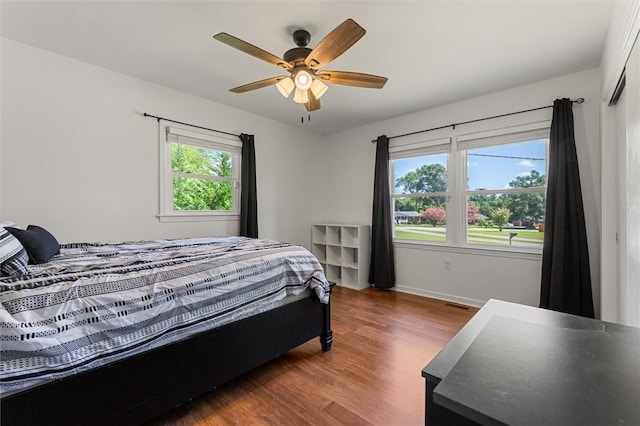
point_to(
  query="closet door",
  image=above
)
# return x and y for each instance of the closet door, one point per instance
(629, 290)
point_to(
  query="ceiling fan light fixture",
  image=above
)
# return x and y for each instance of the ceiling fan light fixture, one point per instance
(301, 96)
(285, 86)
(303, 80)
(306, 66)
(318, 88)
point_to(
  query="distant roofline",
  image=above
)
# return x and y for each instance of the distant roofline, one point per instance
(410, 213)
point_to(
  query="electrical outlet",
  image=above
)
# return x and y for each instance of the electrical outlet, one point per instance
(447, 264)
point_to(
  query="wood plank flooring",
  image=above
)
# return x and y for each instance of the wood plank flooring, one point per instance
(371, 376)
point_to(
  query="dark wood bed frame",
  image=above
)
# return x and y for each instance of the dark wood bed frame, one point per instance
(139, 388)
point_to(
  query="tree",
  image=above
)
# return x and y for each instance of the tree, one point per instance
(528, 208)
(427, 178)
(434, 215)
(485, 223)
(195, 193)
(486, 203)
(532, 180)
(500, 216)
(472, 213)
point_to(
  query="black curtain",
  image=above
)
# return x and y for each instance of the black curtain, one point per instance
(382, 267)
(566, 277)
(248, 196)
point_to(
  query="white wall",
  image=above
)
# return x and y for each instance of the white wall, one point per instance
(474, 277)
(79, 159)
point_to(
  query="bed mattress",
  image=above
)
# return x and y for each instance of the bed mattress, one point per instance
(97, 303)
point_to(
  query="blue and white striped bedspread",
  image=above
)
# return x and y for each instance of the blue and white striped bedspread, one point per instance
(97, 303)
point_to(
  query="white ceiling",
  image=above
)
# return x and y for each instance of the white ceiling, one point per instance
(433, 52)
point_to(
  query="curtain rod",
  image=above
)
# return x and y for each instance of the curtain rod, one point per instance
(453, 126)
(192, 125)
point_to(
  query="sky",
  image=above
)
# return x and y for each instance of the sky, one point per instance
(486, 170)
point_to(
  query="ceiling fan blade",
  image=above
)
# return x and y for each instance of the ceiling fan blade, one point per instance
(252, 50)
(313, 104)
(356, 79)
(257, 84)
(335, 44)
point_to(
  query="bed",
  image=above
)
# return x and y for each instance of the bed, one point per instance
(120, 333)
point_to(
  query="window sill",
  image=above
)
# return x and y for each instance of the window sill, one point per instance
(480, 251)
(195, 217)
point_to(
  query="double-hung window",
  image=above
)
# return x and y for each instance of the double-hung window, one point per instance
(200, 175)
(505, 188)
(420, 189)
(480, 190)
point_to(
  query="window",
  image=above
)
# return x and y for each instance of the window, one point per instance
(420, 190)
(200, 175)
(505, 194)
(483, 190)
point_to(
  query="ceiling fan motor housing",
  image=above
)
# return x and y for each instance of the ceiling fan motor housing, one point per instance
(301, 38)
(297, 54)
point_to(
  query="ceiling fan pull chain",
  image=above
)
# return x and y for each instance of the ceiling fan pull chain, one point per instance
(302, 119)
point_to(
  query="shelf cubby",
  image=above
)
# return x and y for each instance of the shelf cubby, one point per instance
(350, 257)
(319, 234)
(334, 255)
(320, 251)
(333, 273)
(350, 277)
(350, 236)
(334, 235)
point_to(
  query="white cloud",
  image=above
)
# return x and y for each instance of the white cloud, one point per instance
(526, 163)
(525, 174)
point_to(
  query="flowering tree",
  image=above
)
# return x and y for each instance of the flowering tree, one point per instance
(472, 213)
(435, 215)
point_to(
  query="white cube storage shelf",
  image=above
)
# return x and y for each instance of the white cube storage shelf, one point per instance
(343, 251)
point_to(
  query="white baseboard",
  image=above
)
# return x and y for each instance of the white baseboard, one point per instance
(442, 296)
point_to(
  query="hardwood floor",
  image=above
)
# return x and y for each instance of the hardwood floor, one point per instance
(371, 376)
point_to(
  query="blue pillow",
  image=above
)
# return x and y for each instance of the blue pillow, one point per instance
(39, 243)
(13, 256)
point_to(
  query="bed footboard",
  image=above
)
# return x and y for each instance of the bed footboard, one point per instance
(139, 388)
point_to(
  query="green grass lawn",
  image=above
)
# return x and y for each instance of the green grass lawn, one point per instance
(531, 234)
(416, 236)
(492, 236)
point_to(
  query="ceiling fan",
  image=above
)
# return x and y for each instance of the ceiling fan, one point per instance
(304, 65)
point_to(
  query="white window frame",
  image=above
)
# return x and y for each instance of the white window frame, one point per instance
(530, 132)
(192, 136)
(398, 151)
(457, 191)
